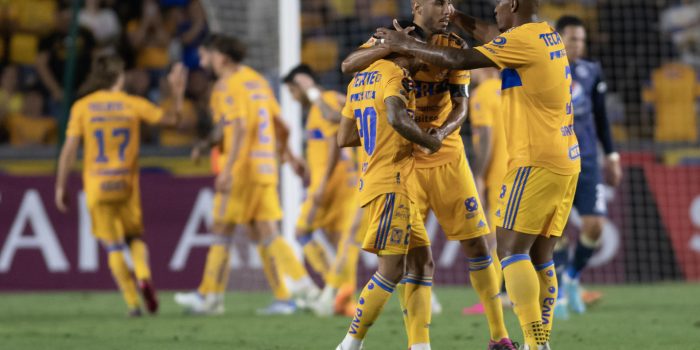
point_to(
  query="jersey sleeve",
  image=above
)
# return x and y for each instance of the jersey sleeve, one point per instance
(509, 50)
(233, 105)
(75, 123)
(146, 111)
(327, 127)
(274, 105)
(398, 84)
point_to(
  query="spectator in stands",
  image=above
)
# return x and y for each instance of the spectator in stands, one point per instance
(185, 134)
(198, 86)
(26, 22)
(191, 33)
(31, 127)
(103, 23)
(10, 95)
(52, 56)
(149, 38)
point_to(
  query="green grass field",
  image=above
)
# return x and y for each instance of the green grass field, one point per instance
(665, 316)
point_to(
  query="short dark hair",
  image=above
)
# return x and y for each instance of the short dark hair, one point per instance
(229, 46)
(209, 40)
(568, 21)
(300, 69)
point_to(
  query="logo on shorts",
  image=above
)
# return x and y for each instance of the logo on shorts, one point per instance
(471, 204)
(481, 224)
(396, 236)
(362, 184)
(498, 213)
(503, 191)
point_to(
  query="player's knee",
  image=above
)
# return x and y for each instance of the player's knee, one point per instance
(420, 264)
(392, 267)
(475, 247)
(593, 228)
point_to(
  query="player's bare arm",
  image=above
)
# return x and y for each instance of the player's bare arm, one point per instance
(398, 118)
(177, 78)
(214, 138)
(348, 136)
(480, 30)
(362, 58)
(285, 152)
(224, 179)
(314, 93)
(447, 57)
(66, 161)
(333, 157)
(457, 117)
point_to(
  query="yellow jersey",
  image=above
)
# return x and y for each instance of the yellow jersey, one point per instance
(109, 125)
(434, 101)
(485, 110)
(536, 85)
(387, 163)
(246, 94)
(318, 130)
(673, 92)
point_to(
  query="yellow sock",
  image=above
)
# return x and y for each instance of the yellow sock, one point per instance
(316, 255)
(275, 278)
(122, 275)
(484, 278)
(372, 300)
(523, 288)
(418, 307)
(498, 267)
(139, 256)
(215, 267)
(548, 294)
(287, 262)
(401, 294)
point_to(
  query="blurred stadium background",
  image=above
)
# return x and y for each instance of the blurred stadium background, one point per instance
(649, 50)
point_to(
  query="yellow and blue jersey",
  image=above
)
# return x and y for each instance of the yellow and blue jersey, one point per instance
(536, 89)
(387, 162)
(109, 125)
(485, 110)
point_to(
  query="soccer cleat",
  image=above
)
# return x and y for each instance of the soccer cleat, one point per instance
(503, 344)
(476, 309)
(278, 307)
(195, 303)
(323, 307)
(342, 299)
(350, 343)
(591, 297)
(539, 347)
(573, 293)
(133, 313)
(305, 296)
(149, 296)
(561, 310)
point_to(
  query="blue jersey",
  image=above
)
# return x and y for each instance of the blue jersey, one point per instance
(590, 118)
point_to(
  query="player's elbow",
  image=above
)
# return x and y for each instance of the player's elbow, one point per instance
(347, 67)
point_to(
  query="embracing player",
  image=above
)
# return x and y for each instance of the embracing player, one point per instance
(378, 117)
(538, 189)
(107, 121)
(591, 125)
(248, 126)
(445, 183)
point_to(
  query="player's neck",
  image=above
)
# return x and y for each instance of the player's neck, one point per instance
(421, 23)
(525, 19)
(230, 69)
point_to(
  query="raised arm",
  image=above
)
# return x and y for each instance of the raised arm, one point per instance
(480, 30)
(69, 154)
(447, 57)
(362, 58)
(177, 78)
(398, 118)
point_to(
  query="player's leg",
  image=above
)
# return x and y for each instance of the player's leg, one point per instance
(107, 228)
(586, 245)
(418, 283)
(388, 235)
(543, 259)
(314, 251)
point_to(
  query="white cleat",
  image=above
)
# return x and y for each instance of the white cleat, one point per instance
(323, 306)
(306, 296)
(278, 307)
(195, 303)
(539, 347)
(435, 304)
(350, 343)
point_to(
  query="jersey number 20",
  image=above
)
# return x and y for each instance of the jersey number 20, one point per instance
(368, 128)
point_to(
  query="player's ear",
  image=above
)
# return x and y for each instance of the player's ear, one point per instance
(415, 6)
(514, 5)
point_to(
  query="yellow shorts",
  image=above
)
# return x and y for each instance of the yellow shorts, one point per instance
(493, 191)
(113, 221)
(247, 203)
(333, 215)
(537, 201)
(450, 191)
(393, 226)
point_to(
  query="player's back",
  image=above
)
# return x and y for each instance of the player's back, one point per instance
(536, 88)
(109, 124)
(387, 162)
(259, 152)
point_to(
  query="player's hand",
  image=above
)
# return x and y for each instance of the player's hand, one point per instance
(61, 200)
(398, 40)
(177, 78)
(440, 133)
(317, 197)
(222, 183)
(196, 154)
(301, 169)
(612, 170)
(304, 81)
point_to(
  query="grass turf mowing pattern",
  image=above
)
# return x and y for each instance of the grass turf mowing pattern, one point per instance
(663, 316)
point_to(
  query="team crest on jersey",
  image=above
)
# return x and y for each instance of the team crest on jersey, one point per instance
(471, 204)
(499, 41)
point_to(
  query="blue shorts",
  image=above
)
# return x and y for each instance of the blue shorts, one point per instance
(590, 191)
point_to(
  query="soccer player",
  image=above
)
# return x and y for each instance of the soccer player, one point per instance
(378, 117)
(107, 121)
(331, 192)
(247, 115)
(537, 192)
(446, 184)
(591, 125)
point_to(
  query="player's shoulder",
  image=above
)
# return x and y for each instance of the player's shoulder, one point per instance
(449, 39)
(388, 69)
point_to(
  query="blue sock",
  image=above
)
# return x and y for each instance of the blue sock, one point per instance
(582, 254)
(561, 261)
